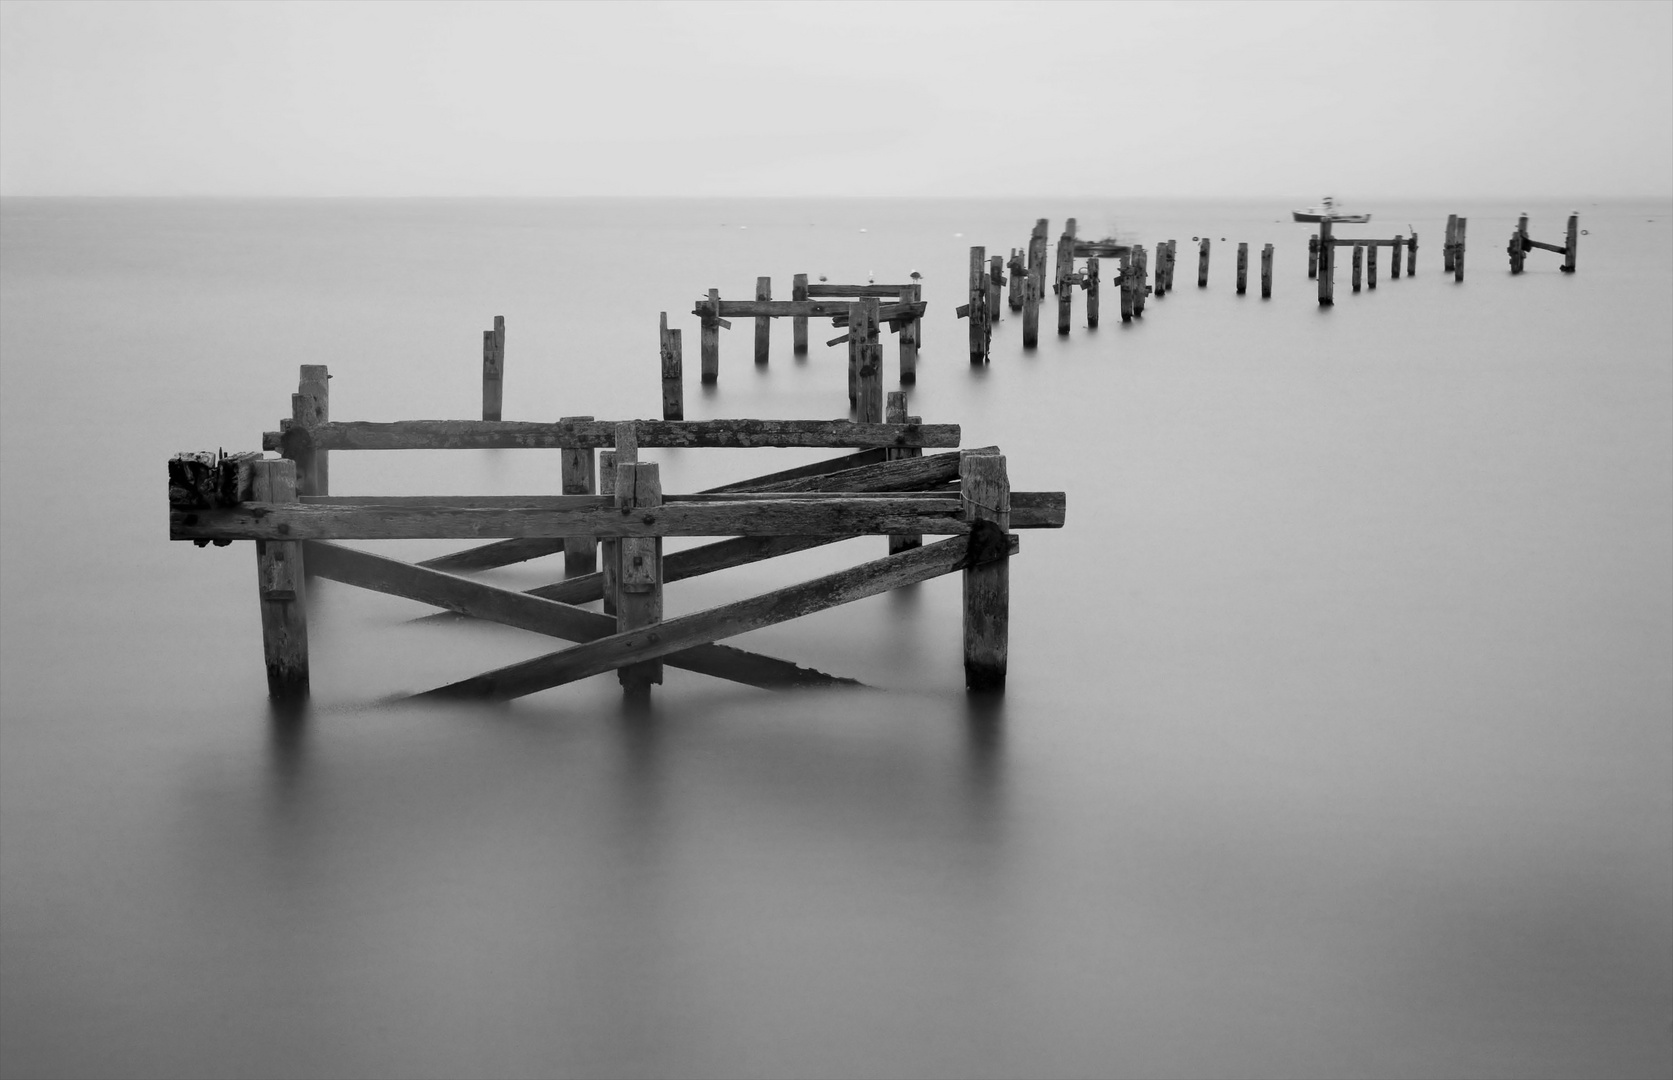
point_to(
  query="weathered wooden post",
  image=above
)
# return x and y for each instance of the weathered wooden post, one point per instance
(284, 599)
(1035, 287)
(1394, 259)
(1018, 271)
(1065, 271)
(709, 341)
(1458, 250)
(1447, 244)
(896, 414)
(1090, 283)
(763, 323)
(1266, 272)
(609, 548)
(1161, 277)
(1141, 287)
(1518, 246)
(977, 309)
(1327, 265)
(673, 363)
(1202, 264)
(1572, 242)
(639, 579)
(310, 406)
(1359, 262)
(798, 323)
(1371, 268)
(1242, 268)
(1312, 257)
(986, 494)
(1173, 257)
(576, 470)
(866, 349)
(996, 286)
(493, 369)
(1411, 254)
(909, 336)
(1125, 277)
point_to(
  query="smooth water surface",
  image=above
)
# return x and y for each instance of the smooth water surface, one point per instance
(1338, 739)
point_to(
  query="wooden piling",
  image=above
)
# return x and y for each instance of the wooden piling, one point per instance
(996, 286)
(493, 369)
(896, 414)
(1202, 264)
(1394, 258)
(909, 330)
(639, 579)
(709, 342)
(1242, 268)
(578, 476)
(978, 301)
(1411, 254)
(1125, 277)
(284, 599)
(1518, 246)
(1065, 271)
(763, 323)
(1327, 266)
(609, 549)
(1571, 243)
(1266, 272)
(673, 363)
(1312, 257)
(1018, 272)
(1034, 288)
(985, 492)
(1359, 262)
(1371, 268)
(798, 323)
(1447, 244)
(1458, 250)
(866, 348)
(1092, 292)
(1141, 287)
(310, 406)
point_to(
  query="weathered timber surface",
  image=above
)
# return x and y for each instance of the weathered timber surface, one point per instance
(814, 309)
(680, 634)
(515, 434)
(803, 514)
(854, 291)
(530, 612)
(1086, 249)
(818, 468)
(284, 599)
(499, 553)
(888, 312)
(986, 494)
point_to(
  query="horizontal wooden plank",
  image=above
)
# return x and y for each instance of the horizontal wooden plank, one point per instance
(817, 468)
(498, 553)
(889, 313)
(1338, 241)
(671, 636)
(855, 291)
(543, 616)
(583, 434)
(580, 502)
(775, 309)
(1558, 248)
(1086, 249)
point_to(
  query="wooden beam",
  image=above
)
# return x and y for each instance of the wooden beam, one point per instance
(854, 292)
(498, 553)
(528, 612)
(511, 434)
(284, 597)
(680, 634)
(987, 583)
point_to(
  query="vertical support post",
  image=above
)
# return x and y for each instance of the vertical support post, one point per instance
(1266, 272)
(580, 553)
(1447, 244)
(1518, 247)
(1092, 292)
(909, 336)
(1359, 262)
(1125, 277)
(1572, 242)
(1065, 272)
(996, 286)
(1202, 264)
(1017, 273)
(673, 379)
(1035, 288)
(493, 369)
(1312, 257)
(1242, 268)
(1394, 259)
(986, 493)
(763, 324)
(1141, 287)
(1173, 256)
(1371, 268)
(798, 323)
(1411, 254)
(1327, 265)
(639, 582)
(1458, 250)
(284, 600)
(709, 342)
(865, 346)
(310, 406)
(978, 306)
(626, 452)
(896, 414)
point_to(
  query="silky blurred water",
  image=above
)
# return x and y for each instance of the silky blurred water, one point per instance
(1338, 739)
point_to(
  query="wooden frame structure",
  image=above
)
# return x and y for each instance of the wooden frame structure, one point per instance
(1521, 243)
(820, 301)
(1321, 259)
(889, 487)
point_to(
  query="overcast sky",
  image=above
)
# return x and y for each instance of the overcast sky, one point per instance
(895, 98)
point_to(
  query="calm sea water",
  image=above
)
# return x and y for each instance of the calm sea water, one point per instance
(1338, 740)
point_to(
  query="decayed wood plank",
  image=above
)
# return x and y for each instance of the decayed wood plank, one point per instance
(816, 309)
(527, 612)
(818, 468)
(515, 434)
(824, 289)
(887, 312)
(676, 635)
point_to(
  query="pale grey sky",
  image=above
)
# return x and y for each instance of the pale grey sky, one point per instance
(895, 98)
